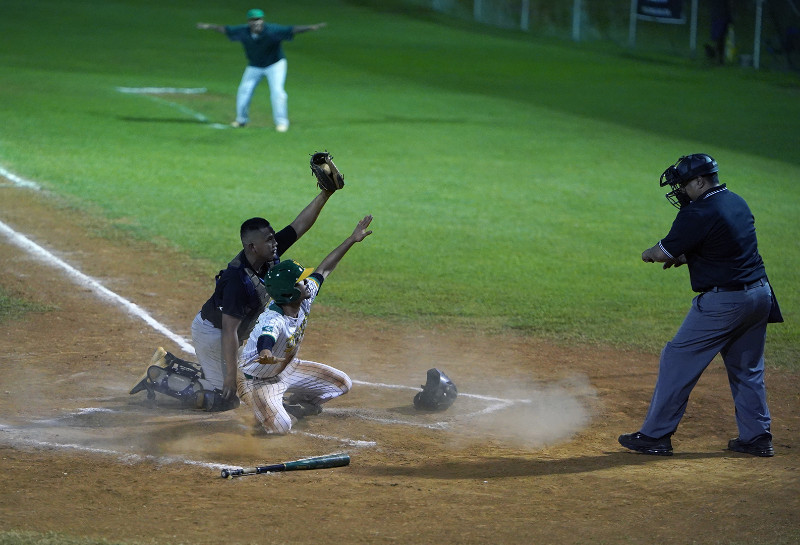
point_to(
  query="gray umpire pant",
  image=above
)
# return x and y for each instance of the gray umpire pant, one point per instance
(730, 323)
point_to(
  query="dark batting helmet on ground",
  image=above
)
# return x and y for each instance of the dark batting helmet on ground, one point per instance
(437, 394)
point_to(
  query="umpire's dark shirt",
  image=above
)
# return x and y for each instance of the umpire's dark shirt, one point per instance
(718, 236)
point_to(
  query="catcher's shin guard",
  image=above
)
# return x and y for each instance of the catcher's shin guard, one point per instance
(170, 375)
(212, 401)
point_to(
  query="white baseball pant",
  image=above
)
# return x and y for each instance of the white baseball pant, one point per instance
(306, 381)
(276, 78)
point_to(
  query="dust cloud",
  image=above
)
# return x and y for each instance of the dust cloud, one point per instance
(530, 416)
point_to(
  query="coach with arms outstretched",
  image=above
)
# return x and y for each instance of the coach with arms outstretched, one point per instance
(265, 57)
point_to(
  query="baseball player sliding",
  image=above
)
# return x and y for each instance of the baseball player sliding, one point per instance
(268, 365)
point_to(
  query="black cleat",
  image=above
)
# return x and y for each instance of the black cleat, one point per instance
(640, 442)
(301, 410)
(760, 446)
(141, 385)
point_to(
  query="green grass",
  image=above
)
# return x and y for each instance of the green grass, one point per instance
(13, 307)
(513, 179)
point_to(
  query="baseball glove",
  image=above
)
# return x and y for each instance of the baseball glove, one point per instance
(328, 176)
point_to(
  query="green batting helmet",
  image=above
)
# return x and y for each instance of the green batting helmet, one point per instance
(281, 281)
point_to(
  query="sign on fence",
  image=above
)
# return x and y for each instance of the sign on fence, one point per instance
(662, 11)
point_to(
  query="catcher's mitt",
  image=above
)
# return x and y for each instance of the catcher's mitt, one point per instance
(328, 176)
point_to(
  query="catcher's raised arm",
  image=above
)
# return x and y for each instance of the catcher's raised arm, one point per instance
(328, 176)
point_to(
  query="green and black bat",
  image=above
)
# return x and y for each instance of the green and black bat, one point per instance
(317, 462)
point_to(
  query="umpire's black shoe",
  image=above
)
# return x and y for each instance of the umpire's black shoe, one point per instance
(646, 444)
(760, 446)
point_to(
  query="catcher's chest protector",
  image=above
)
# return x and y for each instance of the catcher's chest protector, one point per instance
(256, 292)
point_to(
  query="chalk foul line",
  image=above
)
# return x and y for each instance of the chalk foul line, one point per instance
(162, 90)
(86, 281)
(153, 94)
(18, 180)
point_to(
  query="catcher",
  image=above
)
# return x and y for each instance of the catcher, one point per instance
(239, 297)
(269, 366)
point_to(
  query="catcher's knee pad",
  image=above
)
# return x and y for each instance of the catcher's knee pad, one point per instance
(212, 401)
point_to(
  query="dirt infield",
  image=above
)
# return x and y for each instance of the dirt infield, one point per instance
(527, 454)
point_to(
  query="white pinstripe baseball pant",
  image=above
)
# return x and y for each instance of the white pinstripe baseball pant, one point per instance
(306, 381)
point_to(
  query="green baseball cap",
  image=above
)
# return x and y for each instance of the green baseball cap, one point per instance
(255, 14)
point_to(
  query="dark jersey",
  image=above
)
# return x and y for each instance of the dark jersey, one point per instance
(265, 48)
(718, 236)
(240, 291)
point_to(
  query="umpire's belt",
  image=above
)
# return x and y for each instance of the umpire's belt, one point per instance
(740, 287)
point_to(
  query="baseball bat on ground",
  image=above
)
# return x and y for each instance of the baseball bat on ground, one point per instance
(317, 462)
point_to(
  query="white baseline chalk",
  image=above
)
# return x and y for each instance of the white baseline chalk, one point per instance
(80, 278)
(183, 109)
(17, 180)
(152, 92)
(162, 90)
(351, 442)
(18, 437)
(475, 396)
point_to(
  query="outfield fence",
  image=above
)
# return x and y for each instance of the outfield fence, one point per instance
(765, 33)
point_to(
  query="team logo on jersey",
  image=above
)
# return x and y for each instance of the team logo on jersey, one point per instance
(297, 336)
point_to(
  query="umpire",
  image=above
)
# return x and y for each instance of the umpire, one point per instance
(714, 234)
